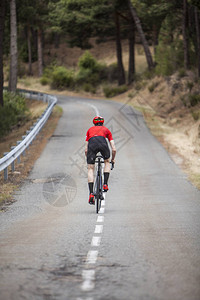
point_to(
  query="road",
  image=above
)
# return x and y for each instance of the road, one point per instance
(144, 244)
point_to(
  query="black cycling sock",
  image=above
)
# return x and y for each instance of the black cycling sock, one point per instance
(106, 176)
(90, 185)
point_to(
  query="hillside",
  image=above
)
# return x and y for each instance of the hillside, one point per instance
(171, 118)
(165, 102)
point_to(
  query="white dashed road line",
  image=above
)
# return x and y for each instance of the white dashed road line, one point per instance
(92, 257)
(88, 275)
(98, 229)
(96, 240)
(100, 219)
(88, 280)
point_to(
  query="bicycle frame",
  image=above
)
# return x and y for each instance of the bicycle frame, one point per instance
(98, 187)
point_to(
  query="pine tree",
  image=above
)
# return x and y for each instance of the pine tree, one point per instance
(2, 23)
(13, 47)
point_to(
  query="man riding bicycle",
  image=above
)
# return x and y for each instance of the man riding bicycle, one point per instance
(96, 142)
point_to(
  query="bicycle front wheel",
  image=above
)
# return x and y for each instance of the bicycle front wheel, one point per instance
(98, 198)
(98, 203)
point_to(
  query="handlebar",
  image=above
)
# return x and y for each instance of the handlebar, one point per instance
(100, 156)
(112, 165)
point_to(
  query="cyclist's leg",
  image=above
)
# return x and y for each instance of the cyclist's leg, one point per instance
(106, 174)
(90, 162)
(107, 165)
(91, 182)
(91, 175)
(106, 154)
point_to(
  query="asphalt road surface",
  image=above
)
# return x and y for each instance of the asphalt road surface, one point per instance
(145, 242)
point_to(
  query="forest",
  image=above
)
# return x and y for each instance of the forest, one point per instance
(171, 28)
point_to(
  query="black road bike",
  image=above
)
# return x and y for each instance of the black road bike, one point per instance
(98, 187)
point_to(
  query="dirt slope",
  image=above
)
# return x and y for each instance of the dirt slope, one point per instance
(163, 101)
(171, 118)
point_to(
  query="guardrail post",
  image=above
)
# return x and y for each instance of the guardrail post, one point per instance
(13, 163)
(51, 100)
(18, 158)
(6, 169)
(27, 132)
(24, 152)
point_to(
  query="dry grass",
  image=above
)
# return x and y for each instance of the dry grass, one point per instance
(24, 167)
(35, 110)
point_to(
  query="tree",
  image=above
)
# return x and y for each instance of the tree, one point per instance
(13, 47)
(26, 10)
(152, 13)
(185, 35)
(198, 38)
(82, 19)
(121, 73)
(2, 22)
(142, 35)
(41, 23)
(131, 68)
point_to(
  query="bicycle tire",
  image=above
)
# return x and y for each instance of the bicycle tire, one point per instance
(98, 186)
(98, 204)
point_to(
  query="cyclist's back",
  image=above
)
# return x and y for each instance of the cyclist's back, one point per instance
(96, 142)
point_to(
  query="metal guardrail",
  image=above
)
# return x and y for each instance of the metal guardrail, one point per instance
(10, 157)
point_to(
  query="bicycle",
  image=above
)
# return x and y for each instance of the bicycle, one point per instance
(98, 187)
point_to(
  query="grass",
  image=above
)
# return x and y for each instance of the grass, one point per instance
(22, 170)
(6, 193)
(195, 179)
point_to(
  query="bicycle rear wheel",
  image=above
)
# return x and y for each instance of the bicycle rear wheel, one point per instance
(98, 200)
(98, 204)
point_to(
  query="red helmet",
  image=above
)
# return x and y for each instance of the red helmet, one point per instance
(98, 120)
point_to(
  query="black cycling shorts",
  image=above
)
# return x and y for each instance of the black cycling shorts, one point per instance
(97, 144)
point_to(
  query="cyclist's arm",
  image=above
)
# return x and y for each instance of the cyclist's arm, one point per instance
(86, 148)
(112, 144)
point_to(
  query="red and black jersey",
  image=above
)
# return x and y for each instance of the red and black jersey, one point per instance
(99, 131)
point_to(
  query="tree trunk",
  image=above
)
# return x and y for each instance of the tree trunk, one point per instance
(29, 52)
(131, 69)
(56, 40)
(198, 38)
(121, 73)
(2, 22)
(155, 37)
(13, 47)
(185, 35)
(40, 55)
(142, 36)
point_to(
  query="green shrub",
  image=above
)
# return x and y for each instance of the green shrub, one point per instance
(194, 99)
(112, 72)
(90, 71)
(148, 74)
(113, 91)
(138, 85)
(164, 60)
(152, 87)
(44, 80)
(195, 115)
(49, 70)
(12, 113)
(169, 58)
(183, 99)
(87, 87)
(87, 76)
(181, 73)
(87, 61)
(62, 78)
(190, 85)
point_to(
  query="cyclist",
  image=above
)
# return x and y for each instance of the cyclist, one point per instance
(96, 142)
